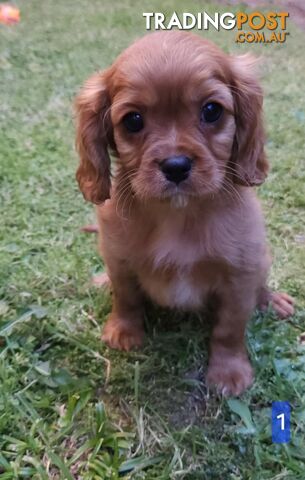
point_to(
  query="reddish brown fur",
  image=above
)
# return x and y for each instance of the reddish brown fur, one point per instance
(179, 245)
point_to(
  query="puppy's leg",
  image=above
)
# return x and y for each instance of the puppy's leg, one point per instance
(124, 327)
(229, 367)
(101, 280)
(281, 302)
(90, 228)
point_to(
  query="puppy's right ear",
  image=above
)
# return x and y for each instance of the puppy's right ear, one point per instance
(93, 137)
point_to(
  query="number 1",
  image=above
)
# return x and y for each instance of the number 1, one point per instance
(282, 417)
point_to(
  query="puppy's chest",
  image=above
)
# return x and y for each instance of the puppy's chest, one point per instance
(175, 270)
(176, 249)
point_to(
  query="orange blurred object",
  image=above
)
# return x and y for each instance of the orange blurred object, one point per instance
(9, 14)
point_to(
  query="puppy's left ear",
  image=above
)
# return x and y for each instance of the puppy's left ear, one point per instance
(248, 154)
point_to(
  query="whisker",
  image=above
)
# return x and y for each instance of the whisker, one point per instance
(230, 170)
(124, 192)
(234, 191)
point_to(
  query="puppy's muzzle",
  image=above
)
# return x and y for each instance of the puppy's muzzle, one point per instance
(176, 169)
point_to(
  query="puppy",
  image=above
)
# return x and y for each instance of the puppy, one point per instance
(180, 223)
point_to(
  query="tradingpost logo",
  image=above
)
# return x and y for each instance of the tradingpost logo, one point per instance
(255, 27)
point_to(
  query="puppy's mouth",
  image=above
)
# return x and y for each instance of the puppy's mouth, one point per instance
(179, 200)
(177, 195)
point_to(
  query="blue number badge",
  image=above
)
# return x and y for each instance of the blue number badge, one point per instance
(280, 422)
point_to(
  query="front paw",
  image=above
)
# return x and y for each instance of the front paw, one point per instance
(230, 375)
(122, 334)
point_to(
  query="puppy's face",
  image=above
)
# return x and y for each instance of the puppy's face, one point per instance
(181, 116)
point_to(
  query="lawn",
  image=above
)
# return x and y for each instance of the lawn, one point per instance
(70, 408)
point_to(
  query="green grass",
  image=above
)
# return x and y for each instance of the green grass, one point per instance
(69, 406)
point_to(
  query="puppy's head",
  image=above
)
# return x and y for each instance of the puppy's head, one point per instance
(180, 116)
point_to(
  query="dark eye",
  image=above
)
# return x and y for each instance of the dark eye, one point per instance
(211, 112)
(133, 122)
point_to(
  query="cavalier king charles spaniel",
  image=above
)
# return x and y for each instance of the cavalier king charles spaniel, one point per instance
(180, 222)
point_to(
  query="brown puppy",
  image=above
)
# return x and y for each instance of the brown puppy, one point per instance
(184, 122)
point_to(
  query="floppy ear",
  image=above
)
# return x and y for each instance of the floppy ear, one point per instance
(248, 154)
(93, 137)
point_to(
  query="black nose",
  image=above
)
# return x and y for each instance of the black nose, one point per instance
(176, 169)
